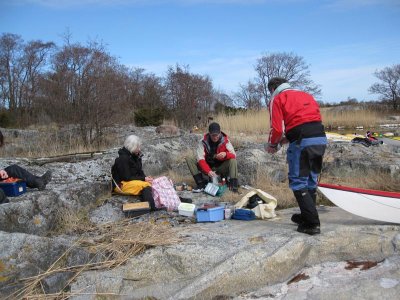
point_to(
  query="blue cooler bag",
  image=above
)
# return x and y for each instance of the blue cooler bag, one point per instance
(243, 214)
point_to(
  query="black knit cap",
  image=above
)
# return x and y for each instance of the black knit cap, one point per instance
(214, 128)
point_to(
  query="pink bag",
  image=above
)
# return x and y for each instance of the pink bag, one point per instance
(164, 193)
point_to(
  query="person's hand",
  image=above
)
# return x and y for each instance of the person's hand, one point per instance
(220, 155)
(149, 179)
(284, 141)
(271, 148)
(3, 174)
(212, 174)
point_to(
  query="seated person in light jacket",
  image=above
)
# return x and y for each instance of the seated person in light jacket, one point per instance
(127, 172)
(15, 171)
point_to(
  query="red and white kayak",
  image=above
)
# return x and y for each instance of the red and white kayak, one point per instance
(371, 204)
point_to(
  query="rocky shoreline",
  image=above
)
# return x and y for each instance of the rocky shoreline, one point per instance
(229, 258)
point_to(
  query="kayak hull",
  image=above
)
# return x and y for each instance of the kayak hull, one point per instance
(371, 204)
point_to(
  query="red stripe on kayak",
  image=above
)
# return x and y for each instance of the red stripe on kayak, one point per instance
(360, 191)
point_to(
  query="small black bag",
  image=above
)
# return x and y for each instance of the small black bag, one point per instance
(253, 201)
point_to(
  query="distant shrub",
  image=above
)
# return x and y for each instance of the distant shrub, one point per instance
(148, 117)
(228, 110)
(6, 120)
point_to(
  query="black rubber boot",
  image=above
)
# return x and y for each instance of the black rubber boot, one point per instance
(313, 194)
(310, 220)
(200, 182)
(147, 196)
(3, 197)
(234, 185)
(41, 182)
(46, 177)
(296, 218)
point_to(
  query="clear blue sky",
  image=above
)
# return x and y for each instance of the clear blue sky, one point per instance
(344, 41)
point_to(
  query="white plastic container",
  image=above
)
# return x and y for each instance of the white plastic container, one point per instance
(186, 209)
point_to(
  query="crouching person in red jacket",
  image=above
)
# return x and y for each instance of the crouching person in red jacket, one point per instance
(296, 114)
(214, 155)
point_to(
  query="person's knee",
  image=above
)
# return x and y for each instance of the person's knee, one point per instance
(296, 184)
(233, 162)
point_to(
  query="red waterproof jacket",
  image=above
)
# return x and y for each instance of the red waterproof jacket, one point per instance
(203, 151)
(289, 109)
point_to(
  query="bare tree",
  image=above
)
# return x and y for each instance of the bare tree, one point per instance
(190, 96)
(10, 72)
(286, 65)
(34, 59)
(250, 96)
(86, 87)
(21, 66)
(223, 99)
(146, 90)
(389, 87)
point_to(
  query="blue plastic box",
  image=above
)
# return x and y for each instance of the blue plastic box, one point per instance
(13, 189)
(214, 214)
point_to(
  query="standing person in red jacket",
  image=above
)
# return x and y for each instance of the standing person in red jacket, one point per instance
(296, 114)
(214, 154)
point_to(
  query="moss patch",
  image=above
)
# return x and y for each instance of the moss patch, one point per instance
(2, 269)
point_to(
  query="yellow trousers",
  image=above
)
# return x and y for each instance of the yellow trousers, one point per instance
(133, 187)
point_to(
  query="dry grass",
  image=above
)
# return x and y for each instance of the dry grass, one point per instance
(73, 222)
(180, 178)
(254, 123)
(352, 118)
(51, 143)
(246, 126)
(114, 243)
(280, 190)
(250, 122)
(370, 179)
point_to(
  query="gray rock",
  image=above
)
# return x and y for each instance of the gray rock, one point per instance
(105, 214)
(56, 282)
(230, 257)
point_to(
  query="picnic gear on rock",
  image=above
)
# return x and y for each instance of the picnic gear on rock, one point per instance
(215, 190)
(185, 200)
(263, 210)
(228, 209)
(183, 187)
(243, 214)
(186, 209)
(228, 213)
(135, 209)
(13, 187)
(210, 213)
(164, 193)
